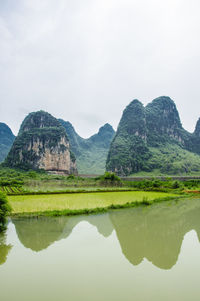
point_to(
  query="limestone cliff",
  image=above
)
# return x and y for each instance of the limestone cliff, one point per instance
(197, 129)
(42, 143)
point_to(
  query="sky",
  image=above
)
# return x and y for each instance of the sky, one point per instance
(85, 61)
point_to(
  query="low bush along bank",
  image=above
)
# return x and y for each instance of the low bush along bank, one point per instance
(4, 210)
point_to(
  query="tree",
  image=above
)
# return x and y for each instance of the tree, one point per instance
(4, 210)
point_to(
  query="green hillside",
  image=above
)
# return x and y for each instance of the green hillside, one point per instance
(90, 153)
(152, 138)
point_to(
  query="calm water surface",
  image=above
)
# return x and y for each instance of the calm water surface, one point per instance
(142, 254)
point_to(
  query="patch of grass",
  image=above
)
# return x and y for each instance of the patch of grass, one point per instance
(98, 210)
(80, 203)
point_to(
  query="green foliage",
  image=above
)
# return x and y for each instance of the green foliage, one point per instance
(72, 156)
(110, 179)
(176, 184)
(110, 176)
(162, 121)
(172, 159)
(128, 151)
(4, 210)
(11, 177)
(151, 185)
(32, 174)
(71, 177)
(40, 119)
(152, 138)
(90, 153)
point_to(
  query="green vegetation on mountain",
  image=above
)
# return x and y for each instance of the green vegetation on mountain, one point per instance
(128, 151)
(41, 140)
(90, 153)
(6, 140)
(152, 138)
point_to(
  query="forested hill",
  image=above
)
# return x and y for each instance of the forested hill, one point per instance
(152, 138)
(90, 153)
(6, 140)
(41, 143)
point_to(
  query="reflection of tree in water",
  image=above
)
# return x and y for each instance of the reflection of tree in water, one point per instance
(4, 248)
(156, 232)
(39, 233)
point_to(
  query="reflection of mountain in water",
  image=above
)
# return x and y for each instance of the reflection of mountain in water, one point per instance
(39, 233)
(4, 248)
(156, 232)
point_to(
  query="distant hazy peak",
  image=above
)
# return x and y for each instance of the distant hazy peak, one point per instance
(5, 130)
(106, 128)
(91, 152)
(197, 128)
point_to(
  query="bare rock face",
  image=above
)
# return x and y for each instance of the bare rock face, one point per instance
(42, 143)
(197, 129)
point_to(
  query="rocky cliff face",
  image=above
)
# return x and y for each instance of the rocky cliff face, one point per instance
(6, 140)
(152, 137)
(91, 153)
(42, 143)
(197, 129)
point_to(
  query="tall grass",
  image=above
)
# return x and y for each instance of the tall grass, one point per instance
(71, 202)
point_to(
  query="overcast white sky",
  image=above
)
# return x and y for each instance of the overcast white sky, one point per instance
(85, 60)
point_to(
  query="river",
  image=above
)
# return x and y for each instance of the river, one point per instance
(143, 254)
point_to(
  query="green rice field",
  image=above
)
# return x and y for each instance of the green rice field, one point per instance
(79, 201)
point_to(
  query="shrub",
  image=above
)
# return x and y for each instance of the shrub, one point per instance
(32, 174)
(110, 176)
(4, 210)
(71, 177)
(157, 183)
(176, 184)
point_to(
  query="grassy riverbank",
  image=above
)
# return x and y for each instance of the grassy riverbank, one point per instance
(70, 204)
(33, 193)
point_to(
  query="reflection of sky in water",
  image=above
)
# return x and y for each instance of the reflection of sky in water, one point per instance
(136, 254)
